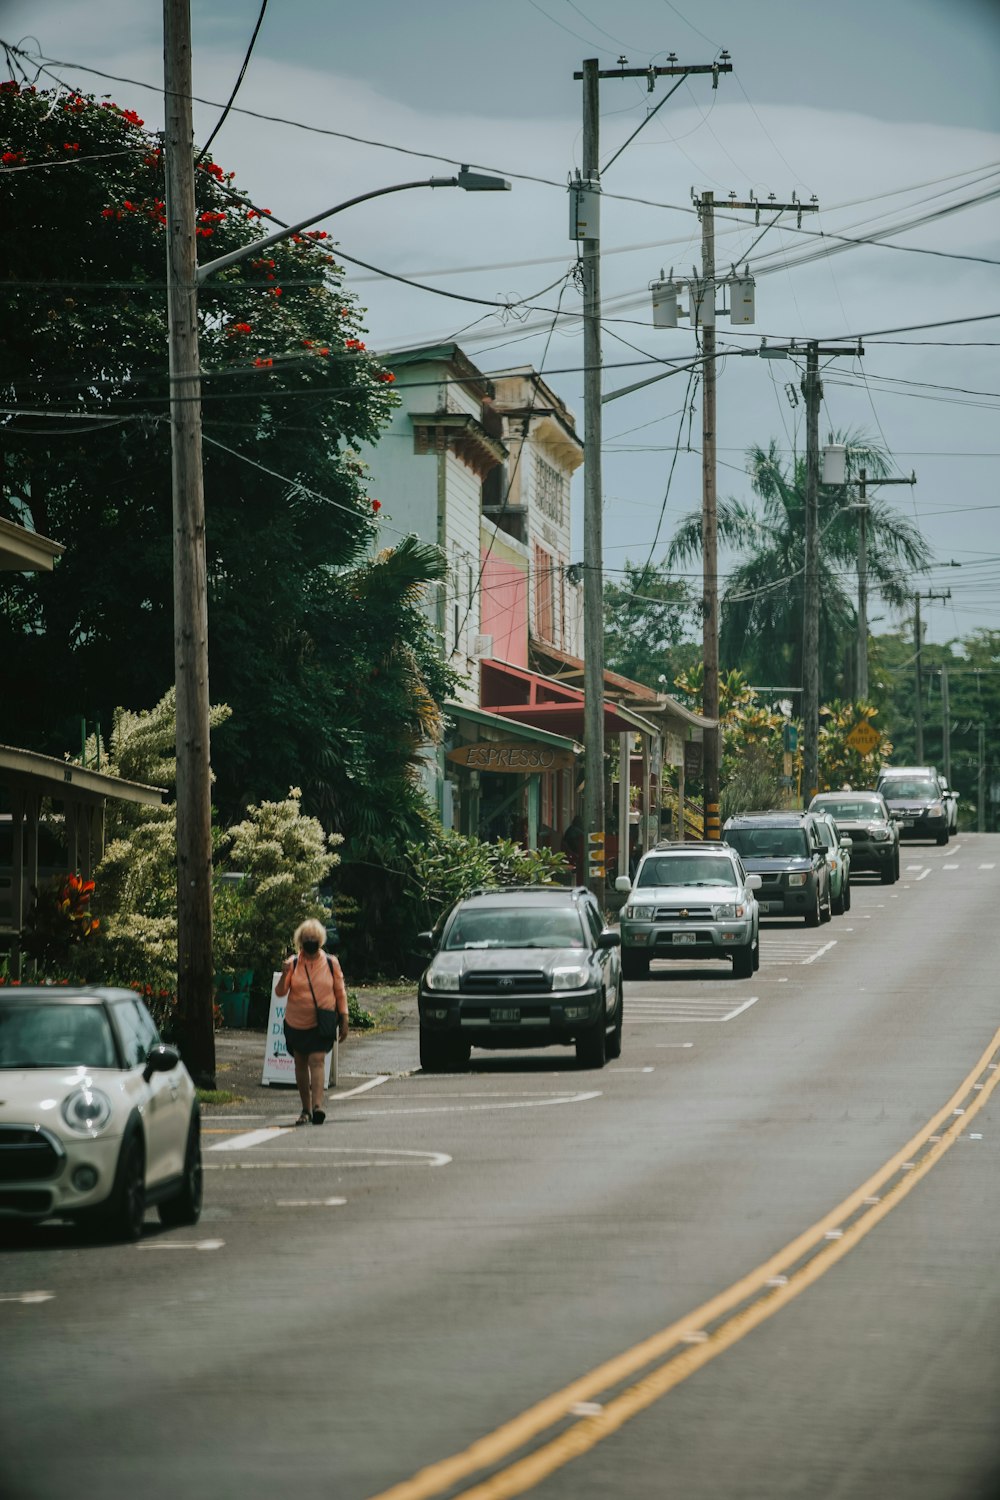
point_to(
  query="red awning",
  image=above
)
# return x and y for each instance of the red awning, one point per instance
(546, 703)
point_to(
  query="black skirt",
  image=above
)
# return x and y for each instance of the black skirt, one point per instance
(305, 1042)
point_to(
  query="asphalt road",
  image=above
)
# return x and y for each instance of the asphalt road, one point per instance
(756, 1257)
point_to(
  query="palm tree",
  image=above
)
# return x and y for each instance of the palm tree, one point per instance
(761, 609)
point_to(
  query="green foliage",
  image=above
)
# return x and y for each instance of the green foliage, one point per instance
(751, 783)
(360, 1018)
(648, 622)
(445, 866)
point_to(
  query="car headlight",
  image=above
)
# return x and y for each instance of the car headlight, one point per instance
(637, 913)
(86, 1111)
(878, 833)
(440, 977)
(798, 879)
(936, 810)
(728, 911)
(574, 977)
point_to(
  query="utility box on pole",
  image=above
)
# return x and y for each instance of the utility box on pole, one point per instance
(742, 303)
(584, 210)
(664, 303)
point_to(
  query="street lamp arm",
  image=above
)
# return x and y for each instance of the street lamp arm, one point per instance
(471, 181)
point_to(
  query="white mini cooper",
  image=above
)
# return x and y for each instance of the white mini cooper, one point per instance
(98, 1118)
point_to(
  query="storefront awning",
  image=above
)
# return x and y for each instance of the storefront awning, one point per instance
(666, 712)
(530, 698)
(515, 728)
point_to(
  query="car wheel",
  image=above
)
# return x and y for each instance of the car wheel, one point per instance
(814, 917)
(942, 839)
(847, 895)
(126, 1212)
(743, 962)
(826, 912)
(634, 965)
(838, 903)
(613, 1042)
(436, 1051)
(591, 1045)
(890, 874)
(756, 952)
(185, 1208)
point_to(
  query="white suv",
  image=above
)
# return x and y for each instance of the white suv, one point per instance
(690, 901)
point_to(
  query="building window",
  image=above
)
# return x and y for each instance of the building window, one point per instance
(550, 491)
(544, 596)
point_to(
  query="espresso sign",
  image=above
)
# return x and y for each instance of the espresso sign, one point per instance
(524, 759)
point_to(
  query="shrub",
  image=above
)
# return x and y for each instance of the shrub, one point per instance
(446, 866)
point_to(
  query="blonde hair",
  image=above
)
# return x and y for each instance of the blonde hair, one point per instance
(310, 928)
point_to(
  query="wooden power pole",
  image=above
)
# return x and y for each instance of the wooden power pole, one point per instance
(194, 815)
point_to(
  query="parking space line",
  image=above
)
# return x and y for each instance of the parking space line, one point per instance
(820, 951)
(924, 874)
(27, 1297)
(249, 1138)
(988, 867)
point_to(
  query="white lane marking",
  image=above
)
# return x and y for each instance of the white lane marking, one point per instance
(956, 849)
(249, 1138)
(472, 1109)
(648, 1070)
(911, 868)
(374, 1158)
(181, 1245)
(975, 1136)
(586, 1409)
(951, 867)
(820, 951)
(27, 1297)
(924, 874)
(362, 1088)
(673, 1044)
(309, 1202)
(988, 867)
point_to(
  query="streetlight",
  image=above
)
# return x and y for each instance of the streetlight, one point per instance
(471, 182)
(190, 588)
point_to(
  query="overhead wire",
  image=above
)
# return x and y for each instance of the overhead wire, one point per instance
(236, 87)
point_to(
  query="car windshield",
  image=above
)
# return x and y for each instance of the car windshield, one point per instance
(516, 927)
(686, 869)
(897, 788)
(768, 843)
(37, 1034)
(846, 808)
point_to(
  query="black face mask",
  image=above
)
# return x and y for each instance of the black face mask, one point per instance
(310, 947)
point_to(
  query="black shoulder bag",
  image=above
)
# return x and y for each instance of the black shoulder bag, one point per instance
(327, 1021)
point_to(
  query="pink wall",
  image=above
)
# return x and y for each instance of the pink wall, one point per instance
(504, 608)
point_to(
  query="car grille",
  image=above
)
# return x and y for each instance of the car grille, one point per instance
(27, 1154)
(501, 983)
(25, 1200)
(683, 914)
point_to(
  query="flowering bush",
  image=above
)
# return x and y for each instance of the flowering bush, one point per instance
(60, 919)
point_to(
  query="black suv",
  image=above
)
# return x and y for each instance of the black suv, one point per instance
(522, 966)
(786, 851)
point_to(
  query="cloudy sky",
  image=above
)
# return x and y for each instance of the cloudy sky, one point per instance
(887, 112)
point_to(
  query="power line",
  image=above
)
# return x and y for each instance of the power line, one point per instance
(236, 86)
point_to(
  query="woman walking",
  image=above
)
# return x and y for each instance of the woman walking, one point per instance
(315, 1010)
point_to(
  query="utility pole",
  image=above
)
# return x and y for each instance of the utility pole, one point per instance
(861, 693)
(704, 301)
(812, 391)
(981, 782)
(593, 514)
(194, 814)
(945, 726)
(918, 710)
(593, 524)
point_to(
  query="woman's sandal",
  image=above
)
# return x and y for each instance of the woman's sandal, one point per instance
(304, 1118)
(319, 1115)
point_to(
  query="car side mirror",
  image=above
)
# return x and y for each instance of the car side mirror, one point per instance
(846, 842)
(609, 938)
(161, 1059)
(754, 882)
(425, 942)
(623, 883)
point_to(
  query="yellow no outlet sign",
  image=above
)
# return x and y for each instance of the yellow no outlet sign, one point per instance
(863, 738)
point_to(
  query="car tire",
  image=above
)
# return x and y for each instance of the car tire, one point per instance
(185, 1206)
(890, 874)
(847, 895)
(826, 912)
(613, 1041)
(592, 1045)
(743, 965)
(813, 918)
(437, 1052)
(756, 952)
(634, 965)
(943, 838)
(126, 1210)
(838, 904)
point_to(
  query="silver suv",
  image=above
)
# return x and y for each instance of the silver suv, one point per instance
(690, 901)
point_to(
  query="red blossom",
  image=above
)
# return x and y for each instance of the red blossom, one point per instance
(324, 350)
(204, 234)
(10, 86)
(213, 171)
(238, 328)
(131, 116)
(209, 217)
(71, 145)
(263, 364)
(307, 343)
(386, 377)
(376, 506)
(12, 158)
(276, 291)
(317, 234)
(353, 344)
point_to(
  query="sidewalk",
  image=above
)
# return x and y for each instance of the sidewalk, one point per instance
(392, 1048)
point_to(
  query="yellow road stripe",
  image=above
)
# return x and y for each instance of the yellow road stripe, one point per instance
(496, 1446)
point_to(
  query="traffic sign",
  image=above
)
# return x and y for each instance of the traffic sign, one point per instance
(863, 737)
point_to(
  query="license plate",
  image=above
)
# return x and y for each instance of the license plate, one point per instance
(769, 905)
(504, 1017)
(685, 937)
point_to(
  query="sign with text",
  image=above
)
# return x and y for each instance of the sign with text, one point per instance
(863, 737)
(692, 758)
(522, 759)
(279, 1066)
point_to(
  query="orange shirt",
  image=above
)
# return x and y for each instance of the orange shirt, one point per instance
(328, 982)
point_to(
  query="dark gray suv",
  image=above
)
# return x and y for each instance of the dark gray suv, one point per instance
(786, 851)
(522, 966)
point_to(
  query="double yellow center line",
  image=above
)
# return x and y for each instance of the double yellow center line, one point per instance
(663, 1361)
